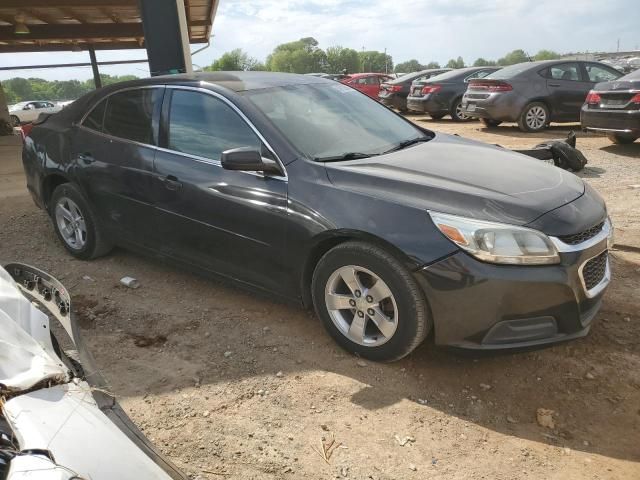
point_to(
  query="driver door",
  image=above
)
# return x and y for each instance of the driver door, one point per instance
(229, 222)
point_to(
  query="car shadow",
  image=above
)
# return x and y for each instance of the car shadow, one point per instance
(632, 150)
(217, 333)
(591, 172)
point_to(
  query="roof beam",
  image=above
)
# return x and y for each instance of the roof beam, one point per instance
(66, 3)
(69, 32)
(67, 47)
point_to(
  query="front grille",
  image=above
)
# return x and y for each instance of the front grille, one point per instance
(583, 236)
(594, 270)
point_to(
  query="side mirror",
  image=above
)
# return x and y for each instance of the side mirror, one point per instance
(248, 159)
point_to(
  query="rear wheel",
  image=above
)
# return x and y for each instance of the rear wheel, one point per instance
(488, 123)
(15, 121)
(621, 138)
(369, 302)
(457, 113)
(75, 224)
(534, 117)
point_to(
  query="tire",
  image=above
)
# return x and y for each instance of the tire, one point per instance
(405, 322)
(488, 123)
(457, 115)
(534, 117)
(68, 207)
(621, 138)
(15, 121)
(437, 116)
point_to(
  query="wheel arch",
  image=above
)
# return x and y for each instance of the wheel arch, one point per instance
(49, 184)
(325, 241)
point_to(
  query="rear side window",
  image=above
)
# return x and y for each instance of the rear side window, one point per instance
(94, 119)
(202, 125)
(565, 71)
(598, 73)
(129, 114)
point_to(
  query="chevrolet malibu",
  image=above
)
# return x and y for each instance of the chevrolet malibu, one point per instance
(310, 190)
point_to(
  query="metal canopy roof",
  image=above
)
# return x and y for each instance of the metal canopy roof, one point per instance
(78, 24)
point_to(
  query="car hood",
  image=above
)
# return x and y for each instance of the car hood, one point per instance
(462, 177)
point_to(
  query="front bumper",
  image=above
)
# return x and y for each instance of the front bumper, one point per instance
(612, 121)
(482, 306)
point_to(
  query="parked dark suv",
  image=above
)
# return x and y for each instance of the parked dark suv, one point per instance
(614, 108)
(313, 191)
(535, 94)
(442, 95)
(394, 92)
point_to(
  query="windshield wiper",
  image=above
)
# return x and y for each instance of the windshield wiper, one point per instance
(345, 156)
(408, 143)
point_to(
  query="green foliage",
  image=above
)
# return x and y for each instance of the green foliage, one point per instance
(235, 60)
(301, 56)
(431, 65)
(457, 63)
(340, 59)
(511, 58)
(374, 61)
(546, 55)
(22, 89)
(412, 65)
(481, 62)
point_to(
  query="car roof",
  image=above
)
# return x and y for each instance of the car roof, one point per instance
(358, 75)
(235, 81)
(413, 75)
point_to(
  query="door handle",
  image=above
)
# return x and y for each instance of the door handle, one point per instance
(554, 84)
(171, 182)
(86, 158)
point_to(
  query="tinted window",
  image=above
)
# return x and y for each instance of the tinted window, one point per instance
(511, 71)
(598, 73)
(129, 114)
(565, 71)
(205, 126)
(94, 119)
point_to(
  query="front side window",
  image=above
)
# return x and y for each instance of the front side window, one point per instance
(94, 119)
(597, 73)
(324, 121)
(205, 126)
(565, 71)
(129, 114)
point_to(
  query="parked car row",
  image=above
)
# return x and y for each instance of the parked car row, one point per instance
(25, 112)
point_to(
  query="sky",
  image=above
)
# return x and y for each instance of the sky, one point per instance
(422, 29)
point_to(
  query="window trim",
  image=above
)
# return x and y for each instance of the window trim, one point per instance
(206, 91)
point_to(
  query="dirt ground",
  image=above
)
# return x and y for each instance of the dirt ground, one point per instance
(228, 384)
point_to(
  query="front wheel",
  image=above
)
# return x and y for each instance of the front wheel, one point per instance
(437, 116)
(621, 138)
(75, 224)
(534, 117)
(369, 302)
(457, 112)
(15, 121)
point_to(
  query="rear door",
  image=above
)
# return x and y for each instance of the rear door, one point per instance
(229, 222)
(113, 152)
(567, 90)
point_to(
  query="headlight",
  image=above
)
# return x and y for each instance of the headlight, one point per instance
(497, 242)
(611, 235)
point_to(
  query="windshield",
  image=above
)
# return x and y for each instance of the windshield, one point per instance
(511, 71)
(330, 121)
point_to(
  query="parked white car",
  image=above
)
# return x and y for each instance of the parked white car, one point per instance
(58, 420)
(25, 112)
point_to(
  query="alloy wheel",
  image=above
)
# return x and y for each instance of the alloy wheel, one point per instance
(71, 223)
(361, 306)
(460, 112)
(536, 117)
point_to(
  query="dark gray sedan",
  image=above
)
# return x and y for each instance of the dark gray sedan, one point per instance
(442, 95)
(311, 190)
(535, 94)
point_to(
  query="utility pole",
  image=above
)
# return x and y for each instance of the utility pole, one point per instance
(618, 48)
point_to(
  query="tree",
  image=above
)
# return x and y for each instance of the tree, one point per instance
(235, 60)
(412, 65)
(546, 55)
(17, 89)
(340, 58)
(301, 56)
(374, 61)
(457, 63)
(481, 62)
(432, 65)
(511, 58)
